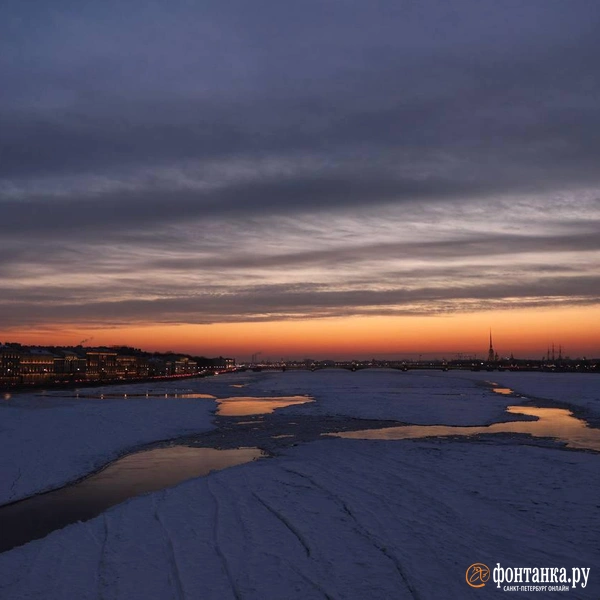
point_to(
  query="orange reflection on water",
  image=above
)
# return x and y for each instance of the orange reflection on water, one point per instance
(242, 407)
(504, 391)
(556, 423)
(193, 395)
(152, 470)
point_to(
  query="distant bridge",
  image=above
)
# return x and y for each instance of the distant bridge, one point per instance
(582, 366)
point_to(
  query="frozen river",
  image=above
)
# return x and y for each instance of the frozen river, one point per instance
(398, 517)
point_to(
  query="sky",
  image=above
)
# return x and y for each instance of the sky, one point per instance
(331, 178)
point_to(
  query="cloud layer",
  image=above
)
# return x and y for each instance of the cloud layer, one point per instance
(218, 162)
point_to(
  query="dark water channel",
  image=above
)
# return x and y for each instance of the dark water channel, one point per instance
(132, 475)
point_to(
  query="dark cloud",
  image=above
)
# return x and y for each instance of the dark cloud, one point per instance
(285, 196)
(437, 257)
(444, 250)
(499, 80)
(278, 302)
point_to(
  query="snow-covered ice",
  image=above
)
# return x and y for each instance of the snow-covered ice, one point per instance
(428, 397)
(579, 390)
(337, 518)
(47, 441)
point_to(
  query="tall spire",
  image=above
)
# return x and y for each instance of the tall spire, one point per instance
(491, 353)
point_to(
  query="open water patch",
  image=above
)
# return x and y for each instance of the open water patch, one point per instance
(245, 406)
(503, 391)
(557, 423)
(132, 475)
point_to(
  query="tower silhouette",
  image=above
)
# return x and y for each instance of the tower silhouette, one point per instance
(491, 353)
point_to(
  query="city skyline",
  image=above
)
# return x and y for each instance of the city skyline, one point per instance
(328, 180)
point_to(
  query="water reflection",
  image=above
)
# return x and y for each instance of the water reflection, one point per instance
(130, 476)
(103, 396)
(245, 406)
(556, 423)
(504, 391)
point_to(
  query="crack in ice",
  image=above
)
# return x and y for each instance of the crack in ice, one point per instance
(362, 531)
(175, 571)
(218, 549)
(289, 526)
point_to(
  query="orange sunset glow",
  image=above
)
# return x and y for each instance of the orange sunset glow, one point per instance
(525, 333)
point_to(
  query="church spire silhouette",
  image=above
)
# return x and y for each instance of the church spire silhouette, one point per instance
(491, 353)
